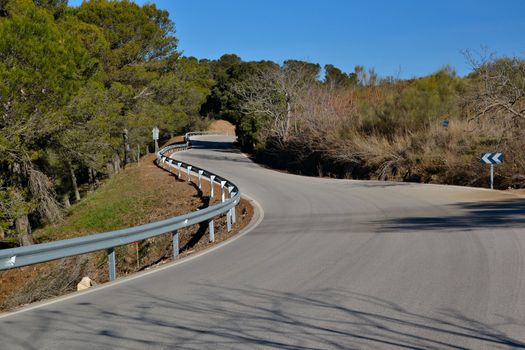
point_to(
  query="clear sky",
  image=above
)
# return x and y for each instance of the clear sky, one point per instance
(403, 38)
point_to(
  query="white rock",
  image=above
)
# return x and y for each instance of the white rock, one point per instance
(85, 283)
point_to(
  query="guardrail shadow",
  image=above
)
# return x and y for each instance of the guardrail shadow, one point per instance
(470, 216)
(213, 316)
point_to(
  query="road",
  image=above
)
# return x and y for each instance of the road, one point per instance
(334, 264)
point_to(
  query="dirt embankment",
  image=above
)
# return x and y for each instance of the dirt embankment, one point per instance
(222, 126)
(143, 193)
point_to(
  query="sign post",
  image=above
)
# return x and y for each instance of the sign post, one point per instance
(492, 158)
(155, 132)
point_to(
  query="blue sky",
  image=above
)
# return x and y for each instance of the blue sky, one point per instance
(403, 38)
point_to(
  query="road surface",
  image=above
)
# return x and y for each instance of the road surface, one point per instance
(334, 264)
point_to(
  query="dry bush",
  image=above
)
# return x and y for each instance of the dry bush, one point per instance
(393, 130)
(52, 279)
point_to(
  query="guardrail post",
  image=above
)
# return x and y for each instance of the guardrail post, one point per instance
(211, 229)
(169, 165)
(175, 243)
(200, 178)
(222, 191)
(229, 220)
(179, 164)
(189, 170)
(232, 194)
(112, 264)
(212, 179)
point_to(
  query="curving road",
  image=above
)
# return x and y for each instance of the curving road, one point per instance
(334, 264)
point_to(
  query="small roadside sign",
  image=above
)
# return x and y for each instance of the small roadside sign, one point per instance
(155, 133)
(444, 123)
(492, 158)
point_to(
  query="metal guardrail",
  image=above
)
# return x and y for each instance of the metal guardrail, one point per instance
(39, 253)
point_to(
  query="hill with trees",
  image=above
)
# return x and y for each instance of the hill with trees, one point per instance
(80, 90)
(357, 125)
(82, 87)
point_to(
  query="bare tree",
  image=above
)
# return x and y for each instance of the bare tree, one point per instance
(275, 94)
(498, 89)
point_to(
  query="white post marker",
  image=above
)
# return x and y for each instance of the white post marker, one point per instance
(155, 133)
(232, 194)
(189, 170)
(228, 213)
(200, 178)
(169, 165)
(179, 164)
(222, 191)
(212, 179)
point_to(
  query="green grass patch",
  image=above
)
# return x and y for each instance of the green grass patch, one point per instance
(120, 202)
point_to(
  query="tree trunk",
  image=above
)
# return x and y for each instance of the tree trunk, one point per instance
(288, 117)
(91, 179)
(95, 177)
(73, 180)
(23, 229)
(113, 165)
(127, 149)
(65, 201)
(110, 169)
(116, 163)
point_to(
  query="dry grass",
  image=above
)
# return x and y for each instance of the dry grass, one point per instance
(393, 130)
(430, 154)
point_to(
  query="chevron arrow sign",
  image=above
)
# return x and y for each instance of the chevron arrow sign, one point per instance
(492, 158)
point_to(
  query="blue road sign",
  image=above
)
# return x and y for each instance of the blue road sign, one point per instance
(492, 158)
(445, 123)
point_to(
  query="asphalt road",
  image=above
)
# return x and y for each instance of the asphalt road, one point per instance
(334, 264)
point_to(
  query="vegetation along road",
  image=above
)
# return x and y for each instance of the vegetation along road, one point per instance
(405, 262)
(333, 264)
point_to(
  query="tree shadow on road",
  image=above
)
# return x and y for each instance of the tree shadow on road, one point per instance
(224, 146)
(214, 316)
(470, 216)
